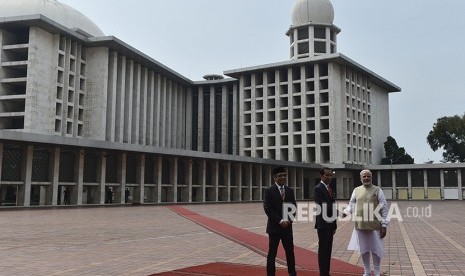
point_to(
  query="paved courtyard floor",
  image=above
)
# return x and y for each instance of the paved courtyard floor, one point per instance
(143, 240)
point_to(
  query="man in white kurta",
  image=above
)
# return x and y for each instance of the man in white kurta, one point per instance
(369, 206)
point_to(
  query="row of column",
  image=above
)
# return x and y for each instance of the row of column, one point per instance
(425, 192)
(193, 182)
(143, 107)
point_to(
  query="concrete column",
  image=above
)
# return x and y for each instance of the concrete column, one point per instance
(248, 180)
(328, 40)
(52, 190)
(24, 193)
(156, 110)
(158, 173)
(150, 107)
(459, 181)
(128, 97)
(42, 193)
(174, 114)
(120, 101)
(441, 175)
(182, 109)
(139, 192)
(311, 45)
(227, 180)
(203, 179)
(241, 118)
(236, 119)
(318, 157)
(278, 115)
(224, 121)
(295, 48)
(425, 182)
(188, 119)
(174, 180)
(189, 179)
(259, 180)
(409, 183)
(303, 110)
(215, 177)
(143, 107)
(394, 188)
(111, 96)
(265, 118)
(212, 120)
(169, 113)
(253, 117)
(101, 178)
(200, 120)
(300, 191)
(76, 192)
(135, 106)
(239, 181)
(290, 115)
(119, 193)
(163, 110)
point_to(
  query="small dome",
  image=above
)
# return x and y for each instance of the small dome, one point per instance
(315, 11)
(213, 77)
(58, 12)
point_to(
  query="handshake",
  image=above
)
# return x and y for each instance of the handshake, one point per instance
(344, 213)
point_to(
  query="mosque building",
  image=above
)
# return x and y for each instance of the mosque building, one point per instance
(87, 113)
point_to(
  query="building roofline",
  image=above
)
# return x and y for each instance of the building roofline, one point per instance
(417, 166)
(111, 42)
(55, 140)
(120, 46)
(337, 58)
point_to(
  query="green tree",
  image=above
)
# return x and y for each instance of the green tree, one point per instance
(394, 154)
(449, 133)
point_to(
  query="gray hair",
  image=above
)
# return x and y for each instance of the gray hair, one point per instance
(365, 171)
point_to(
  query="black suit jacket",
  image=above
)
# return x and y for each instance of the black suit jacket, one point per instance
(323, 199)
(273, 205)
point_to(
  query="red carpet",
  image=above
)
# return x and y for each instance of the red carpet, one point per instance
(229, 269)
(305, 259)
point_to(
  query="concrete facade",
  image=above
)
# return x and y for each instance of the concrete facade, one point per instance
(89, 113)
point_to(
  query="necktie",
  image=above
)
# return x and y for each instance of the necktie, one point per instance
(281, 189)
(330, 191)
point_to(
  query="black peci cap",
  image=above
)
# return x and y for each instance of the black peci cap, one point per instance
(277, 170)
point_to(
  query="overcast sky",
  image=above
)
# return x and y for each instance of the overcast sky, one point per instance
(416, 44)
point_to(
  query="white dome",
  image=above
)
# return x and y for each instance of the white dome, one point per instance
(315, 11)
(59, 12)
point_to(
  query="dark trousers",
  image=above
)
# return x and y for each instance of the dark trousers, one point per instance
(288, 244)
(325, 247)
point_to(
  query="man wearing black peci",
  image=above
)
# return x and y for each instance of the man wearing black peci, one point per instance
(278, 227)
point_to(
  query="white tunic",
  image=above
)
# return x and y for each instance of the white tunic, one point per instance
(368, 240)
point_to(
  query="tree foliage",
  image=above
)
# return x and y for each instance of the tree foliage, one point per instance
(449, 133)
(394, 154)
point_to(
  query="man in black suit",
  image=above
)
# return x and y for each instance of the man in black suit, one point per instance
(325, 220)
(279, 228)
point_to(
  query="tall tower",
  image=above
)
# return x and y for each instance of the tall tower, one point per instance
(312, 32)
